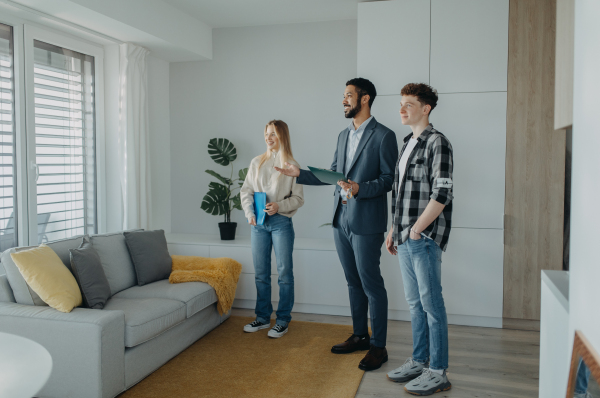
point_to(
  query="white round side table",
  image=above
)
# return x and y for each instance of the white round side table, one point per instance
(25, 366)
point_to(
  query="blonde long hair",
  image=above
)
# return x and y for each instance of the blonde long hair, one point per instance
(285, 146)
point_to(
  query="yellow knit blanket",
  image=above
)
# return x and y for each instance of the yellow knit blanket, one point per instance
(221, 273)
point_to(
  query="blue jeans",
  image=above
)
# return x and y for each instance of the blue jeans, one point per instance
(278, 233)
(583, 377)
(421, 267)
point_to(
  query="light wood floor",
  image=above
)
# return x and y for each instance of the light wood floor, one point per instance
(484, 362)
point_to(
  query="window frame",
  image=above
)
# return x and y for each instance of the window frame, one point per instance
(20, 190)
(31, 33)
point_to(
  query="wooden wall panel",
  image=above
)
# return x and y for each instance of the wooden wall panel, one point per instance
(535, 159)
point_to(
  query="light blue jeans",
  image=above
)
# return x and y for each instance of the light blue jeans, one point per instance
(278, 233)
(421, 267)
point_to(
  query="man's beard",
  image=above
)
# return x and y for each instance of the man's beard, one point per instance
(353, 111)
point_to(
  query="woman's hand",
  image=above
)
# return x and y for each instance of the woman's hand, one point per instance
(252, 221)
(291, 171)
(272, 208)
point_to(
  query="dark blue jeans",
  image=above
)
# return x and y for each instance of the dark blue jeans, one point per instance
(360, 255)
(583, 377)
(278, 233)
(421, 268)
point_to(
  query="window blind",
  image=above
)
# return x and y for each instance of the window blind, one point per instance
(65, 142)
(8, 229)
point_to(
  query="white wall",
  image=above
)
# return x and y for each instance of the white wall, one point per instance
(160, 142)
(585, 189)
(294, 72)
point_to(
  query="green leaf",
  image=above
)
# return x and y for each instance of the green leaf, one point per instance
(220, 189)
(237, 202)
(215, 201)
(222, 151)
(224, 180)
(242, 174)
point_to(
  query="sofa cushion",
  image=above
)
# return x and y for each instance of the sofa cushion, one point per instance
(23, 293)
(147, 318)
(61, 248)
(195, 295)
(150, 255)
(115, 260)
(6, 293)
(88, 271)
(48, 277)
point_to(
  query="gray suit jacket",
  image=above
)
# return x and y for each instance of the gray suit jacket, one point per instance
(373, 169)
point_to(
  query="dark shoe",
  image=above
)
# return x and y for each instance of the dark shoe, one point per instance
(374, 359)
(354, 343)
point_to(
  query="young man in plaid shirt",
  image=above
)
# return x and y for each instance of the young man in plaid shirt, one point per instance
(422, 213)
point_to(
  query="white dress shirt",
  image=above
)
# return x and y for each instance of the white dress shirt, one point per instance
(353, 139)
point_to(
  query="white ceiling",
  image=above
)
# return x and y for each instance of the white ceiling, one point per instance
(236, 13)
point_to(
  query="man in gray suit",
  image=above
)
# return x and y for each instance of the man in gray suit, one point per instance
(366, 154)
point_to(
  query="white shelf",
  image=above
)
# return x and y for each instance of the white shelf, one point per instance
(244, 241)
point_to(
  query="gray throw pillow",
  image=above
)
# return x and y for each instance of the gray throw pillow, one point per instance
(87, 268)
(150, 255)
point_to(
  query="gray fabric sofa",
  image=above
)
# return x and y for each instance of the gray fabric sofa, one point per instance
(101, 353)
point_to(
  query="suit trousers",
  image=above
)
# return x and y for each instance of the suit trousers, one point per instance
(360, 256)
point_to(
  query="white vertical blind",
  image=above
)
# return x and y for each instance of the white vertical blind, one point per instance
(65, 142)
(8, 235)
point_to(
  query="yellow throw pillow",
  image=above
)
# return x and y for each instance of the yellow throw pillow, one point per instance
(46, 274)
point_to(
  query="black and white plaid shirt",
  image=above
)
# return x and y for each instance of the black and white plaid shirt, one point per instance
(428, 176)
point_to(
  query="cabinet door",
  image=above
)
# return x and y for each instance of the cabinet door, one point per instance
(469, 45)
(473, 272)
(319, 278)
(393, 43)
(479, 155)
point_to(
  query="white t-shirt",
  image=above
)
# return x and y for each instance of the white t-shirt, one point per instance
(404, 159)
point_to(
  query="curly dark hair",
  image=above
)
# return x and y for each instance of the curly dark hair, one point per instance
(426, 94)
(363, 86)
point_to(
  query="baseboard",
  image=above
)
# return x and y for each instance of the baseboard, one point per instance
(396, 315)
(521, 324)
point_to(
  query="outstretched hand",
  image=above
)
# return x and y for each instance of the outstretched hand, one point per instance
(291, 170)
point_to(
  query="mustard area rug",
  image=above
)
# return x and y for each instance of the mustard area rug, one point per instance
(230, 363)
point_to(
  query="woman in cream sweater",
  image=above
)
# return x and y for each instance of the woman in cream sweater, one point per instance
(284, 197)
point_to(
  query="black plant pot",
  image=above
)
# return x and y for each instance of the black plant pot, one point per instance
(227, 230)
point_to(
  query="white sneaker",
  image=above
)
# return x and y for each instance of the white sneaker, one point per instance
(428, 383)
(255, 327)
(277, 331)
(410, 370)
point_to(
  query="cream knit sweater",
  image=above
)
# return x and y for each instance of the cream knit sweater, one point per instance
(279, 188)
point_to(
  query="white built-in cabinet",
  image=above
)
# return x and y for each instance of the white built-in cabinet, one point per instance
(460, 47)
(320, 285)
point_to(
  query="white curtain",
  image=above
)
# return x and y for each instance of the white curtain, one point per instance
(134, 149)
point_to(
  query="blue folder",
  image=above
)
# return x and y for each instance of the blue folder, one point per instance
(260, 203)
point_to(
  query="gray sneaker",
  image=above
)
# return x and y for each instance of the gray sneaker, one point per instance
(583, 395)
(428, 383)
(410, 370)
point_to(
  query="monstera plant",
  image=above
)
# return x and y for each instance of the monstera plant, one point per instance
(221, 198)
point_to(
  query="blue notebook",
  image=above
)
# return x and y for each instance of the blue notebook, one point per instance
(260, 203)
